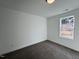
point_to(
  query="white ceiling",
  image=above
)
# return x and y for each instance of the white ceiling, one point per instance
(40, 7)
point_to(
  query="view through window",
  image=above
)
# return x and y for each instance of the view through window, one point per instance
(67, 27)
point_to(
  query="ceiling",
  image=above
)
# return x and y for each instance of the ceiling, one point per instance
(40, 7)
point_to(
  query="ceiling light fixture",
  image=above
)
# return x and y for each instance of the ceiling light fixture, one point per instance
(50, 1)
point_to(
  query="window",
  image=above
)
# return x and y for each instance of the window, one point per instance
(67, 27)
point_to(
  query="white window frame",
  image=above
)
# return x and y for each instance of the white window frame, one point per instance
(67, 27)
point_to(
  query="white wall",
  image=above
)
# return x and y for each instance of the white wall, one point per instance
(18, 30)
(53, 30)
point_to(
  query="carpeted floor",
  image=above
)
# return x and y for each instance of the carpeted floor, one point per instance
(43, 50)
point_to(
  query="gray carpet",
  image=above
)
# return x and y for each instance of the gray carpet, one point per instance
(43, 50)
